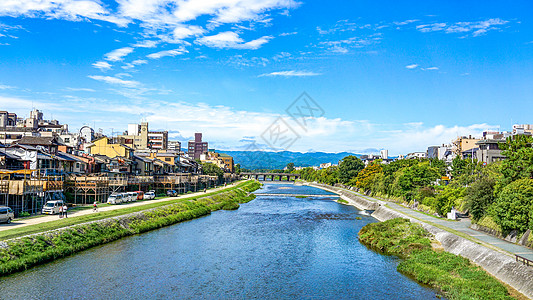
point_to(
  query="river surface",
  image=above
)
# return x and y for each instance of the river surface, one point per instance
(274, 247)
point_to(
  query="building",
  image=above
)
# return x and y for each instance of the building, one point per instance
(384, 154)
(464, 143)
(139, 137)
(174, 146)
(158, 140)
(197, 147)
(102, 146)
(222, 160)
(523, 129)
(417, 155)
(489, 150)
(7, 119)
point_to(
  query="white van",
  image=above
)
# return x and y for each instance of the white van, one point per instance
(114, 199)
(52, 207)
(133, 196)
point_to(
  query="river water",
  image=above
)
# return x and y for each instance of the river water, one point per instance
(270, 248)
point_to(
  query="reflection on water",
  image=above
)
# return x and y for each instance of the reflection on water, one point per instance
(272, 247)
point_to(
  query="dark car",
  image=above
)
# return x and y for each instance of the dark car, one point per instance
(172, 193)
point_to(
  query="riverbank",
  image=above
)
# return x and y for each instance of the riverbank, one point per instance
(495, 261)
(25, 252)
(455, 276)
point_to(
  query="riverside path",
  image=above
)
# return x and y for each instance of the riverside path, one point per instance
(17, 223)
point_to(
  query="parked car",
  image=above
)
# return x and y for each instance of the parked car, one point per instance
(6, 214)
(149, 195)
(115, 199)
(132, 196)
(172, 193)
(52, 207)
(140, 195)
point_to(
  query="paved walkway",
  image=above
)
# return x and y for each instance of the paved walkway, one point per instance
(17, 223)
(463, 226)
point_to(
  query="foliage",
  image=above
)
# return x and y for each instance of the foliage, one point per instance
(455, 276)
(519, 152)
(349, 167)
(212, 170)
(479, 196)
(365, 179)
(513, 209)
(290, 167)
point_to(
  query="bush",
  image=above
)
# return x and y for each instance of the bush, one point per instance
(479, 196)
(513, 209)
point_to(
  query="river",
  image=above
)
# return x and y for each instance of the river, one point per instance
(274, 247)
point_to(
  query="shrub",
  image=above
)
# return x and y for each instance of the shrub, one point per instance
(479, 196)
(513, 209)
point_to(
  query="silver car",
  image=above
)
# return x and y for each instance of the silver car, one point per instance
(6, 214)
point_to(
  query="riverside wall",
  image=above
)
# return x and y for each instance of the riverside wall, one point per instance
(500, 265)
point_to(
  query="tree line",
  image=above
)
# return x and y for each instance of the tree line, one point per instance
(498, 195)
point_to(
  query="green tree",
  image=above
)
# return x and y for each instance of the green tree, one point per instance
(519, 162)
(290, 167)
(366, 178)
(212, 170)
(238, 169)
(479, 196)
(349, 167)
(513, 209)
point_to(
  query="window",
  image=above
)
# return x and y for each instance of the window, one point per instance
(67, 140)
(168, 159)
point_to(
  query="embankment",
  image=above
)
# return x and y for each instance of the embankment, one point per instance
(25, 252)
(500, 265)
(352, 199)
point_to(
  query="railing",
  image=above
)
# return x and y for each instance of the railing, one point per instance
(524, 260)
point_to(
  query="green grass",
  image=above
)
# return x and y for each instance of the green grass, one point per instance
(300, 197)
(21, 254)
(456, 277)
(342, 201)
(60, 223)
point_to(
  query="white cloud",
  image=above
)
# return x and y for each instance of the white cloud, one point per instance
(134, 63)
(72, 10)
(231, 40)
(118, 54)
(114, 80)
(429, 69)
(475, 28)
(79, 89)
(102, 65)
(6, 87)
(160, 54)
(182, 32)
(412, 66)
(291, 74)
(146, 44)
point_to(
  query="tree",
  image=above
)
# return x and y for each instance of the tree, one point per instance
(238, 169)
(519, 163)
(212, 170)
(513, 209)
(366, 178)
(349, 167)
(290, 167)
(479, 196)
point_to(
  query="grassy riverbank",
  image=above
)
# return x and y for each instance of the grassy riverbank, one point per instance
(455, 276)
(23, 253)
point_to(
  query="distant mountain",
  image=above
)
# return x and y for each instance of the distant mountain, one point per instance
(279, 160)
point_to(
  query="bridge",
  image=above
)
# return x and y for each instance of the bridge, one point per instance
(272, 176)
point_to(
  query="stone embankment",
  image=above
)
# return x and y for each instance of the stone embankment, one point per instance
(500, 265)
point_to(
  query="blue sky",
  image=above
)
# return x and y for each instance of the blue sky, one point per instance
(387, 75)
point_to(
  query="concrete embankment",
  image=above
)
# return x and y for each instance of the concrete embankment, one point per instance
(352, 199)
(500, 265)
